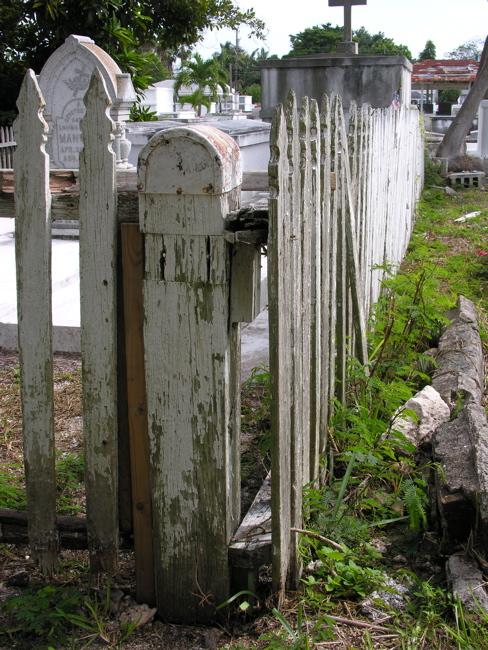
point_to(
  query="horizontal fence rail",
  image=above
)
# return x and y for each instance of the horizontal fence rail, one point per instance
(329, 246)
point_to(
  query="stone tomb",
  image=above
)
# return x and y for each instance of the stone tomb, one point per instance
(376, 80)
(63, 81)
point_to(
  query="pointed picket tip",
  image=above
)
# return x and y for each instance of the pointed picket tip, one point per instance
(30, 104)
(305, 105)
(304, 120)
(97, 103)
(325, 104)
(30, 93)
(314, 110)
(314, 125)
(97, 90)
(353, 111)
(336, 102)
(274, 140)
(291, 103)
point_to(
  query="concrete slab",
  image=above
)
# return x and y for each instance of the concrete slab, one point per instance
(66, 302)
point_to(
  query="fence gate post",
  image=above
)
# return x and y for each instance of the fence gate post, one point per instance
(189, 179)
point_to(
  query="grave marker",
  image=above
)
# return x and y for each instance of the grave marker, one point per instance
(63, 81)
(348, 46)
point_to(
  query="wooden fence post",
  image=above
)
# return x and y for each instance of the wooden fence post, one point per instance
(189, 179)
(33, 262)
(133, 277)
(98, 293)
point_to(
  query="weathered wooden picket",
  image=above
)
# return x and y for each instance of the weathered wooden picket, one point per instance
(342, 202)
(341, 209)
(7, 147)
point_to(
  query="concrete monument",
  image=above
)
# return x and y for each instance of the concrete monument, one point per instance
(376, 80)
(63, 81)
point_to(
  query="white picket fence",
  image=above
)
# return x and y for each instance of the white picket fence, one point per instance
(342, 207)
(7, 147)
(342, 202)
(185, 289)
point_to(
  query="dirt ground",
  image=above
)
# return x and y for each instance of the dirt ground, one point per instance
(17, 571)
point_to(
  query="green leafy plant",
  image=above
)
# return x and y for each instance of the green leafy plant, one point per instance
(12, 494)
(47, 613)
(415, 499)
(140, 113)
(342, 574)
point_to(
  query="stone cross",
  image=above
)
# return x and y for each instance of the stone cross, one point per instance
(348, 46)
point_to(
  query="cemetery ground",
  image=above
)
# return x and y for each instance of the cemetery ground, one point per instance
(369, 527)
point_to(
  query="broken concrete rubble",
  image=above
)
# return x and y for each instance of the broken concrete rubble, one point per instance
(467, 582)
(461, 445)
(431, 411)
(457, 482)
(459, 377)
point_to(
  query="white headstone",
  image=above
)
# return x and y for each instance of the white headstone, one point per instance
(64, 80)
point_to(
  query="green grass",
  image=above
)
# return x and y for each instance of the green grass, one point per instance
(373, 483)
(69, 484)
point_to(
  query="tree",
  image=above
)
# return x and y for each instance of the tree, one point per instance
(453, 142)
(245, 67)
(143, 36)
(469, 50)
(206, 75)
(324, 38)
(429, 51)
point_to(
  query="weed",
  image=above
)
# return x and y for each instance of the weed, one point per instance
(371, 478)
(341, 574)
(304, 635)
(70, 469)
(415, 499)
(47, 613)
(55, 615)
(12, 494)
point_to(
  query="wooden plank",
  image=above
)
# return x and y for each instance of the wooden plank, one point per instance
(33, 264)
(133, 273)
(340, 270)
(328, 247)
(98, 293)
(305, 305)
(62, 180)
(316, 204)
(189, 345)
(280, 349)
(354, 272)
(124, 479)
(295, 287)
(245, 292)
(250, 546)
(71, 531)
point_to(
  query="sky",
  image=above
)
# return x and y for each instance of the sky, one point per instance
(448, 23)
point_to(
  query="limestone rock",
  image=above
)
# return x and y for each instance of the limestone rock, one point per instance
(467, 582)
(431, 411)
(381, 601)
(138, 615)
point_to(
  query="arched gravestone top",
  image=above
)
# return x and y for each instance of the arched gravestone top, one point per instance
(64, 80)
